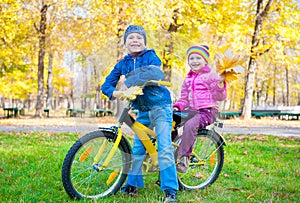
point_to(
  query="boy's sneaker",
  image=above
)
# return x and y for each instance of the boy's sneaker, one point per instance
(170, 198)
(129, 190)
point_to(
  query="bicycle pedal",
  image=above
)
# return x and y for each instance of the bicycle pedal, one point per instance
(153, 169)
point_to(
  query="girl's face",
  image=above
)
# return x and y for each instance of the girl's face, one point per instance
(135, 43)
(196, 62)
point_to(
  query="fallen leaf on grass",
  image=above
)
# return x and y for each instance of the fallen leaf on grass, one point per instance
(276, 193)
(247, 175)
(198, 175)
(251, 195)
(234, 189)
(260, 169)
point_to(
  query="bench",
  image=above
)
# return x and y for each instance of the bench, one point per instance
(101, 112)
(229, 114)
(263, 114)
(13, 112)
(74, 112)
(288, 115)
(46, 111)
(78, 111)
(69, 112)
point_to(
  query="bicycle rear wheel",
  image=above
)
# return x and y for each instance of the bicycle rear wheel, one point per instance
(83, 179)
(205, 163)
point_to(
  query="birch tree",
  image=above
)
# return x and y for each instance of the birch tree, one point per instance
(261, 14)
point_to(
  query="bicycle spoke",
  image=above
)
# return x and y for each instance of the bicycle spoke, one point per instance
(82, 177)
(205, 163)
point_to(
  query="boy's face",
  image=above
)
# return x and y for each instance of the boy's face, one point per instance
(196, 62)
(135, 43)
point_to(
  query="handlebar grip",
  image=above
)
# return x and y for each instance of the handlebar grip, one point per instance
(164, 83)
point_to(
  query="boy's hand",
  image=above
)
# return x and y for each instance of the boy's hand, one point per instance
(130, 93)
(118, 94)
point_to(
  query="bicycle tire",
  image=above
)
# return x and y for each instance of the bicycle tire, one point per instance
(82, 180)
(205, 163)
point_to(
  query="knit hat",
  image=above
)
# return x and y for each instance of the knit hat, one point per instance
(135, 29)
(199, 49)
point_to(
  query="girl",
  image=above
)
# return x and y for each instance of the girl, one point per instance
(200, 93)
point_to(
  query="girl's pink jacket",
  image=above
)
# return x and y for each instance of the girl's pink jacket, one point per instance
(201, 90)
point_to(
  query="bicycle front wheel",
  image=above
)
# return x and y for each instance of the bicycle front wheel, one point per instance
(205, 162)
(83, 178)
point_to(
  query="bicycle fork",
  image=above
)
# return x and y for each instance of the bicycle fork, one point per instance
(111, 153)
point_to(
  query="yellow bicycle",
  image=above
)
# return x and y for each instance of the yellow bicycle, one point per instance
(98, 163)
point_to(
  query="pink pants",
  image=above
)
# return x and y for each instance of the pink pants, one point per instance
(203, 118)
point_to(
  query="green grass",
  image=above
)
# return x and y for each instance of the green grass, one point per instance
(256, 169)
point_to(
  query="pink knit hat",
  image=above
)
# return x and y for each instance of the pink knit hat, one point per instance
(199, 49)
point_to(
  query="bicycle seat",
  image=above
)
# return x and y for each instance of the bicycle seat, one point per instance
(180, 117)
(181, 114)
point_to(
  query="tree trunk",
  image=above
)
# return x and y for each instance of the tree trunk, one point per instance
(70, 94)
(84, 85)
(49, 83)
(287, 86)
(267, 93)
(169, 46)
(250, 76)
(42, 47)
(98, 99)
(120, 86)
(274, 86)
(283, 97)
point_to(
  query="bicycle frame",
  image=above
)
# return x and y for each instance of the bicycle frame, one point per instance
(139, 129)
(143, 133)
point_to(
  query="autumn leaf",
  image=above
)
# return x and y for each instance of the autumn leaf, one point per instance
(132, 92)
(234, 189)
(230, 65)
(245, 153)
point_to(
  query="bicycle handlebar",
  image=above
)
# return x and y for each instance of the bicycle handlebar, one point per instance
(157, 82)
(132, 92)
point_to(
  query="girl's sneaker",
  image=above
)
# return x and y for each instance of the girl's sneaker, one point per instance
(183, 164)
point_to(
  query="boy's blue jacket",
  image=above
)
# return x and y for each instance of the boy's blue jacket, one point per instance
(153, 96)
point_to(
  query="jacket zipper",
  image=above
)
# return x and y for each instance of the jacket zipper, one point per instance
(134, 59)
(193, 91)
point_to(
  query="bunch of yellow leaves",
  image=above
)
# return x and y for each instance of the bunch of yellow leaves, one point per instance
(132, 92)
(229, 65)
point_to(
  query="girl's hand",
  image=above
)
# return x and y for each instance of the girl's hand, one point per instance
(221, 81)
(222, 77)
(175, 108)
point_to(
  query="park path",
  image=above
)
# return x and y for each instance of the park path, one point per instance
(233, 129)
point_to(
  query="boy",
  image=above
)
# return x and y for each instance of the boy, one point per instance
(155, 110)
